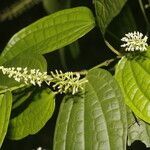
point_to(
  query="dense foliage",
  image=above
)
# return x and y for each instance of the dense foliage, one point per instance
(103, 106)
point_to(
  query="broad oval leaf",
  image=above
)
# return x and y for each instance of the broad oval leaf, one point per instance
(34, 116)
(5, 110)
(51, 32)
(133, 75)
(106, 11)
(29, 60)
(94, 119)
(137, 129)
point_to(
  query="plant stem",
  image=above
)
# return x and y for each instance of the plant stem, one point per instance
(83, 72)
(143, 11)
(105, 63)
(112, 49)
(144, 15)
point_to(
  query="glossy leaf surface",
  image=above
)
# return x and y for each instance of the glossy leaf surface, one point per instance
(94, 119)
(51, 32)
(133, 75)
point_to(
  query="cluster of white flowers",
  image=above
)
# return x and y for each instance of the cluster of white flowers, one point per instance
(134, 41)
(68, 82)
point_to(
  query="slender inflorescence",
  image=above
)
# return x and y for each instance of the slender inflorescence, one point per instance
(32, 76)
(134, 41)
(69, 82)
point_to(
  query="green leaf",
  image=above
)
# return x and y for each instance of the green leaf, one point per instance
(106, 11)
(137, 129)
(51, 32)
(133, 75)
(94, 119)
(5, 110)
(29, 60)
(34, 116)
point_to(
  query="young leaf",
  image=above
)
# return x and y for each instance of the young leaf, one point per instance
(137, 129)
(94, 119)
(51, 32)
(5, 110)
(106, 11)
(133, 75)
(34, 117)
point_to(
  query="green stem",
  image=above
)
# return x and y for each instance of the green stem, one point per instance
(112, 49)
(105, 63)
(83, 72)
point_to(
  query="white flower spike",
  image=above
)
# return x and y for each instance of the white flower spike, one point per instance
(24, 75)
(68, 82)
(134, 41)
